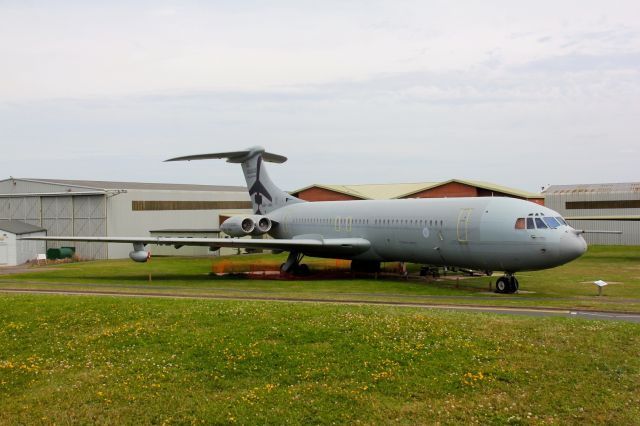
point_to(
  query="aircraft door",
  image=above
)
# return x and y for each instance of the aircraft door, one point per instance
(462, 228)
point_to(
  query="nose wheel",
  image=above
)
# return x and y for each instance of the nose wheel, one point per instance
(507, 284)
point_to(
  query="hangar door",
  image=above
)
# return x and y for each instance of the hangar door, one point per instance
(90, 220)
(83, 215)
(25, 209)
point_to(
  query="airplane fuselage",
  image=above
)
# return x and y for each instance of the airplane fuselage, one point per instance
(483, 233)
(478, 233)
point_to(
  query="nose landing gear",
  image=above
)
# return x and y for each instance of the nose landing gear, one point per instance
(507, 284)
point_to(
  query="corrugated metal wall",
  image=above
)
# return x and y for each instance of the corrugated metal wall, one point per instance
(63, 215)
(605, 207)
(90, 219)
(619, 232)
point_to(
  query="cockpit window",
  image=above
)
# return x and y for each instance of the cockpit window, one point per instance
(552, 222)
(540, 224)
(530, 224)
(520, 223)
(561, 220)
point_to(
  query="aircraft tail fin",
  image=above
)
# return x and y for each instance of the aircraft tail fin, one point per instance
(265, 195)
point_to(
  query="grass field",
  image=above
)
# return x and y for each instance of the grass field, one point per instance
(86, 360)
(568, 286)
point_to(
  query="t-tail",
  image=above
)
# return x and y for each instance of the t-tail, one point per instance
(265, 195)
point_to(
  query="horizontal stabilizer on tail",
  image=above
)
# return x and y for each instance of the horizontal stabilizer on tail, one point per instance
(235, 156)
(265, 195)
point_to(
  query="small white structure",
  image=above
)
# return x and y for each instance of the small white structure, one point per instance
(12, 250)
(600, 284)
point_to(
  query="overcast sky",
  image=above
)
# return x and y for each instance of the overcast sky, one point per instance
(522, 94)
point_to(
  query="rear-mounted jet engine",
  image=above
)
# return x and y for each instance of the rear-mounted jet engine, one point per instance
(241, 226)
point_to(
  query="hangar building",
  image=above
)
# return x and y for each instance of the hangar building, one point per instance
(450, 188)
(98, 208)
(610, 207)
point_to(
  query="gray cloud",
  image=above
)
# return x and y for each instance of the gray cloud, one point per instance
(415, 93)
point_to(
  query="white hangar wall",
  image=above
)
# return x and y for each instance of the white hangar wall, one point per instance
(138, 212)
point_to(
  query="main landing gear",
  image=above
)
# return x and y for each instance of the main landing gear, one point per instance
(507, 284)
(292, 265)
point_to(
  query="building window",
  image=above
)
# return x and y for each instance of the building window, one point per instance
(138, 206)
(611, 204)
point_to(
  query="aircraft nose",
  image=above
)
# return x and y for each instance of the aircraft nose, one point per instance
(572, 245)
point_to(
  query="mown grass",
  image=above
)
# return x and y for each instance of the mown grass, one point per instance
(568, 286)
(85, 360)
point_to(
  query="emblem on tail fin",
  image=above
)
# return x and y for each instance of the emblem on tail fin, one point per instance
(257, 190)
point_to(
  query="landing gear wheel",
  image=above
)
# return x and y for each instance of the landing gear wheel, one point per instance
(514, 285)
(502, 285)
(302, 270)
(292, 265)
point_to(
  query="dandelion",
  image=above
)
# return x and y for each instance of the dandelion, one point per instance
(471, 379)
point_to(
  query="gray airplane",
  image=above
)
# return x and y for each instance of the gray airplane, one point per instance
(486, 233)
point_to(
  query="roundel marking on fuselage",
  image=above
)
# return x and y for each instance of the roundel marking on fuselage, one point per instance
(425, 232)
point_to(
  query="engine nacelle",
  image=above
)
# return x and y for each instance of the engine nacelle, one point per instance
(263, 225)
(241, 226)
(139, 254)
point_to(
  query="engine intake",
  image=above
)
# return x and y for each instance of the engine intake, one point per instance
(241, 226)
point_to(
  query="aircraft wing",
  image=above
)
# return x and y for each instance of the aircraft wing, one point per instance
(308, 244)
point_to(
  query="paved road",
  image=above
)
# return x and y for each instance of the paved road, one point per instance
(538, 312)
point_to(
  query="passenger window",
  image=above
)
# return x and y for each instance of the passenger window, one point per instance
(530, 224)
(540, 224)
(552, 222)
(520, 223)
